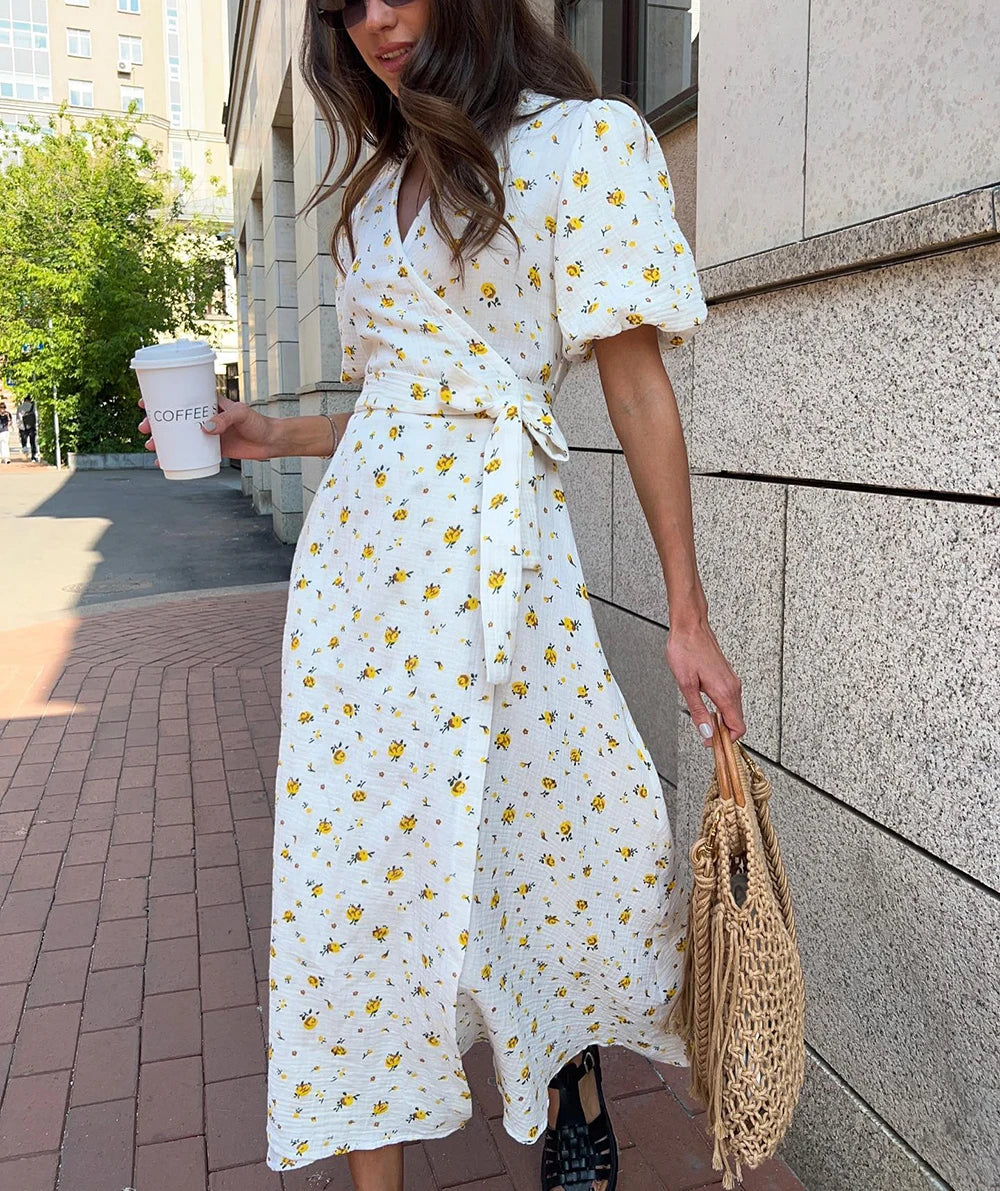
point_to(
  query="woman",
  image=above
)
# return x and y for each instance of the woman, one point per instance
(470, 841)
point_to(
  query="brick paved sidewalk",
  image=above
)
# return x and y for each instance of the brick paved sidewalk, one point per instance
(136, 768)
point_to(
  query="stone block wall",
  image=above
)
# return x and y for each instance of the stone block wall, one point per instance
(842, 412)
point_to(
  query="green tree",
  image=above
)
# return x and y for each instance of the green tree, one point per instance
(97, 259)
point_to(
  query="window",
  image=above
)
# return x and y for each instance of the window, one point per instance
(130, 50)
(81, 93)
(128, 6)
(136, 94)
(645, 49)
(174, 65)
(78, 43)
(25, 69)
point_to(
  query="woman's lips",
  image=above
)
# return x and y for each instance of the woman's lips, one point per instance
(396, 64)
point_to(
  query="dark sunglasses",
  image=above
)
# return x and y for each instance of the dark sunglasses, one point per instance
(342, 14)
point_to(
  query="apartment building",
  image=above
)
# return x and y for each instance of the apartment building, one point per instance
(168, 57)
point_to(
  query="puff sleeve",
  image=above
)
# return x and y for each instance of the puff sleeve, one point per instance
(621, 259)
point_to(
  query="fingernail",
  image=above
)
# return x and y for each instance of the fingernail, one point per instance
(208, 425)
(705, 730)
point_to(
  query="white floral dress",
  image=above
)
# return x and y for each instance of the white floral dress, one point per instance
(470, 836)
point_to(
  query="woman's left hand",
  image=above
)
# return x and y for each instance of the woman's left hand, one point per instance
(698, 665)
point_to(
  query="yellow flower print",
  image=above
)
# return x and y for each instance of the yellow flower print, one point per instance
(293, 785)
(634, 319)
(432, 591)
(457, 783)
(548, 859)
(309, 1020)
(295, 641)
(309, 680)
(550, 225)
(392, 1061)
(548, 783)
(575, 269)
(651, 274)
(571, 626)
(548, 717)
(445, 464)
(573, 224)
(411, 663)
(354, 913)
(407, 823)
(394, 873)
(387, 301)
(379, 1107)
(678, 248)
(464, 681)
(601, 127)
(418, 1114)
(345, 1101)
(520, 688)
(324, 827)
(338, 754)
(433, 1039)
(359, 795)
(581, 179)
(400, 514)
(566, 829)
(399, 576)
(452, 534)
(373, 1005)
(302, 1090)
(391, 635)
(469, 604)
(502, 739)
(463, 938)
(597, 803)
(359, 857)
(430, 328)
(315, 548)
(497, 580)
(508, 815)
(305, 717)
(477, 348)
(417, 391)
(488, 294)
(531, 618)
(616, 197)
(535, 277)
(381, 478)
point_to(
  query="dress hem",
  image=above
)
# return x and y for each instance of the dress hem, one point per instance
(662, 1055)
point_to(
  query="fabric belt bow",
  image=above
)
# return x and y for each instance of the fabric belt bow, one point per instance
(510, 528)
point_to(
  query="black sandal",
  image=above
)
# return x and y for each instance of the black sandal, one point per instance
(578, 1153)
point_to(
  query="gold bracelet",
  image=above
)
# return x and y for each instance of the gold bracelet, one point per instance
(336, 436)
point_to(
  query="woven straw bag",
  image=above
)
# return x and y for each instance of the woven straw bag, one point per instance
(741, 1009)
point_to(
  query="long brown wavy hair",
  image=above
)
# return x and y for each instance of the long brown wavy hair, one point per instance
(457, 98)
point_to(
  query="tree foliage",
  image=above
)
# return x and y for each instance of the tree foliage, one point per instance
(97, 258)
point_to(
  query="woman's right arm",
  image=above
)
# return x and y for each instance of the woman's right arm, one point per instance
(245, 433)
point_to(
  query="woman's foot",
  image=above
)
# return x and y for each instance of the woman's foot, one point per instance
(580, 1152)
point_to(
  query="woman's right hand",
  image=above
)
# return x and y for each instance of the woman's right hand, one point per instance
(244, 432)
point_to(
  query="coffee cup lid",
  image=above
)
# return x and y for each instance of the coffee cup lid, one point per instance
(174, 353)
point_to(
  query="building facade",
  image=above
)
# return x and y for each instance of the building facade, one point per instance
(836, 171)
(168, 57)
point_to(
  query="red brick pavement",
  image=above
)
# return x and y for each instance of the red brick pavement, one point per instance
(136, 770)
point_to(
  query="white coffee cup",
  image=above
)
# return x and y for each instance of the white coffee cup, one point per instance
(177, 380)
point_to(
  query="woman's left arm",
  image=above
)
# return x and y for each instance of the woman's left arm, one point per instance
(644, 415)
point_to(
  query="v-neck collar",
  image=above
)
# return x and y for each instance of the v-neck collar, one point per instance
(526, 102)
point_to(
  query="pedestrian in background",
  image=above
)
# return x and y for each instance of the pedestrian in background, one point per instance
(6, 421)
(27, 424)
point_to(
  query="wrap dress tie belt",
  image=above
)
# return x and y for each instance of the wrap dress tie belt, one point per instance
(510, 527)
